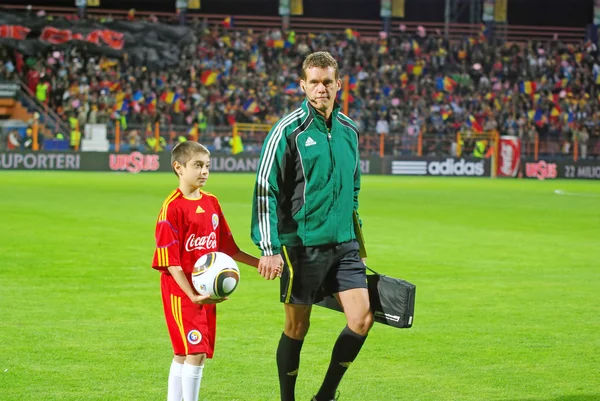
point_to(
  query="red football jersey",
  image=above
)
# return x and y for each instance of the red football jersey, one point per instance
(189, 228)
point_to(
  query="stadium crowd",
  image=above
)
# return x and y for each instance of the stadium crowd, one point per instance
(398, 85)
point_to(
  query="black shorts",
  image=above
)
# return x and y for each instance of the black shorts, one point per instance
(312, 272)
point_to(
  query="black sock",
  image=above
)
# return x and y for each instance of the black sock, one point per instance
(288, 361)
(345, 350)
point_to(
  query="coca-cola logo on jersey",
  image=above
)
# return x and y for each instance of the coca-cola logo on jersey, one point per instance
(200, 243)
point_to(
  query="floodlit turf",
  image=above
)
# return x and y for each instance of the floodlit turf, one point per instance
(507, 275)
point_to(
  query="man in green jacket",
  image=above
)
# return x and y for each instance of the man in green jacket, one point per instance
(305, 202)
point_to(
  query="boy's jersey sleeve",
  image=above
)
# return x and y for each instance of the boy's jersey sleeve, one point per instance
(264, 231)
(226, 241)
(167, 248)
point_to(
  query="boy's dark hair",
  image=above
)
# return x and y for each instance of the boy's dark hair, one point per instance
(184, 151)
(320, 60)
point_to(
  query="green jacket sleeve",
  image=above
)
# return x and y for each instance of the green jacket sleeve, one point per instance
(264, 231)
(357, 175)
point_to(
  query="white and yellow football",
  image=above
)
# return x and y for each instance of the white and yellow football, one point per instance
(215, 274)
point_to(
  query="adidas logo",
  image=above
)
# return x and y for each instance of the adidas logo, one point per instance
(310, 142)
(199, 210)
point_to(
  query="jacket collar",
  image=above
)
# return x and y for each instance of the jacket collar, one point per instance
(318, 118)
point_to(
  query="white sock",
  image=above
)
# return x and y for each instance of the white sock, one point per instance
(191, 376)
(175, 391)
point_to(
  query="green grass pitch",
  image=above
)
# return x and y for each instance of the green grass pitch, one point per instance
(507, 275)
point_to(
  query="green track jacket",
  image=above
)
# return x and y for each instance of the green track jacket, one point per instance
(307, 182)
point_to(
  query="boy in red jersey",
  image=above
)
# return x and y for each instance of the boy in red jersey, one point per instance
(190, 224)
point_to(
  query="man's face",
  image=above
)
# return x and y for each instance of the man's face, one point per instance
(321, 87)
(195, 172)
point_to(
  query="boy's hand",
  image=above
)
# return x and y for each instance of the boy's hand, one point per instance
(205, 299)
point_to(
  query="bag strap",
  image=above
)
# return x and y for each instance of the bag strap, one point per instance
(372, 271)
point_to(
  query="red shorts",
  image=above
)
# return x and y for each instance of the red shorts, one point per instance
(192, 327)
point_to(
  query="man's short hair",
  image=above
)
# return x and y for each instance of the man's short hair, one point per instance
(183, 152)
(320, 60)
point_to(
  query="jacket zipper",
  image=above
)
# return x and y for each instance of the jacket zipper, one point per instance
(334, 177)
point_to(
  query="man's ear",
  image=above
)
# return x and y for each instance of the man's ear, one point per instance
(302, 86)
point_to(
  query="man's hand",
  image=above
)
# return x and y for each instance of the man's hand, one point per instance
(205, 299)
(270, 266)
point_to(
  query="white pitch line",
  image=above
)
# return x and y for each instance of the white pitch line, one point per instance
(561, 192)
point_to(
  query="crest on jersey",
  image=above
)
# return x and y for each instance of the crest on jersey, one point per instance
(194, 337)
(215, 221)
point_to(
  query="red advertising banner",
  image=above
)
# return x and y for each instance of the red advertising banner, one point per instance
(509, 156)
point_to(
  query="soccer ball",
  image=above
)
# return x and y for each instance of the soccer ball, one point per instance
(215, 274)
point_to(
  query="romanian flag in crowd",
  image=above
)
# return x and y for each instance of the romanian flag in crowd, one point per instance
(227, 22)
(352, 83)
(527, 87)
(597, 77)
(475, 126)
(178, 106)
(254, 53)
(555, 113)
(122, 106)
(537, 116)
(151, 103)
(251, 106)
(341, 96)
(445, 84)
(416, 48)
(209, 77)
(483, 34)
(169, 97)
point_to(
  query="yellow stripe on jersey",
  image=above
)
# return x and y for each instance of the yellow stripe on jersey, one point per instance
(207, 193)
(163, 261)
(166, 255)
(158, 257)
(163, 212)
(176, 310)
(288, 294)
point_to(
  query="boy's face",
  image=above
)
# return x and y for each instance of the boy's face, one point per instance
(195, 172)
